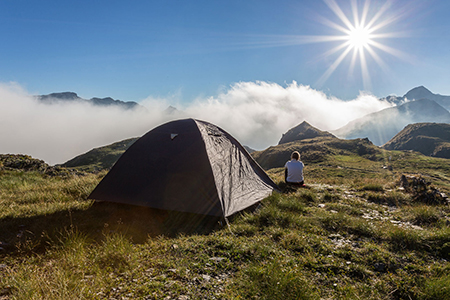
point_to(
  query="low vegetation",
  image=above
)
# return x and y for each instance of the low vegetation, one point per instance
(353, 233)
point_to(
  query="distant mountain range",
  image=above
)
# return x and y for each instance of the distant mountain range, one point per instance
(430, 139)
(419, 93)
(416, 106)
(381, 126)
(73, 97)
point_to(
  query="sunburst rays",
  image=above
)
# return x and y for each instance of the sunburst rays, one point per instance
(360, 37)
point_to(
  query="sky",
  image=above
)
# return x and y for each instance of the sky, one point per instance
(255, 68)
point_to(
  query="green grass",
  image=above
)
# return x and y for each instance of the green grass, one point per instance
(343, 237)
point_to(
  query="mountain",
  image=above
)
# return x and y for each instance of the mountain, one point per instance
(100, 158)
(381, 126)
(432, 139)
(73, 97)
(171, 111)
(315, 149)
(301, 132)
(419, 93)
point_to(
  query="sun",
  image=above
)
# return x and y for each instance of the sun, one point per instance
(359, 37)
(360, 34)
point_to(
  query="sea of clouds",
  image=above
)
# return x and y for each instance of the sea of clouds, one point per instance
(255, 113)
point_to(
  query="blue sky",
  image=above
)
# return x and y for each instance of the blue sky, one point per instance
(131, 50)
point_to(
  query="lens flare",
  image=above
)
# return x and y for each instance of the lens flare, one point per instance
(360, 35)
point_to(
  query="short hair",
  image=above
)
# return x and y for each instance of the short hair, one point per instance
(295, 155)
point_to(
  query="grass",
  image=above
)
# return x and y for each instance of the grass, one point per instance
(348, 237)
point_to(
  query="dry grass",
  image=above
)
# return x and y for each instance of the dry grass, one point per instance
(348, 237)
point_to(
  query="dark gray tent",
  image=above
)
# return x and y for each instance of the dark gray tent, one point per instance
(188, 166)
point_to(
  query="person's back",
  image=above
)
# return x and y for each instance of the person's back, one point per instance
(294, 170)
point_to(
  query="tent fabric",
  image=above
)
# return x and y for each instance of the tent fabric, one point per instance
(189, 166)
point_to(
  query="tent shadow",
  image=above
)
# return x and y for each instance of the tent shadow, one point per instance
(37, 233)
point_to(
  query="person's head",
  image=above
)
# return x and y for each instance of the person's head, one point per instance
(295, 155)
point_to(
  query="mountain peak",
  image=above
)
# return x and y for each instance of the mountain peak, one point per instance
(170, 110)
(417, 93)
(67, 96)
(303, 131)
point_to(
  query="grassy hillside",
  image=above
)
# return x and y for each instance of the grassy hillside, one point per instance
(100, 158)
(431, 139)
(351, 234)
(317, 150)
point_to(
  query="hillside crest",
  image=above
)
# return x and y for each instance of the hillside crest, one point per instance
(303, 131)
(431, 139)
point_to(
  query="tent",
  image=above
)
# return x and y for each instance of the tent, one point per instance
(189, 166)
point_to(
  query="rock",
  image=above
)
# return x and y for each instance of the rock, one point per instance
(422, 190)
(26, 163)
(217, 259)
(379, 267)
(206, 277)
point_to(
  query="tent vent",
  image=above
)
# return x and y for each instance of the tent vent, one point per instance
(173, 135)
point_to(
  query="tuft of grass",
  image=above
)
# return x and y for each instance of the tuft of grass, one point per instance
(374, 187)
(331, 197)
(437, 288)
(275, 281)
(424, 215)
(402, 239)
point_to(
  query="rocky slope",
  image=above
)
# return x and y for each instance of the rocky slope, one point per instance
(432, 139)
(301, 132)
(26, 163)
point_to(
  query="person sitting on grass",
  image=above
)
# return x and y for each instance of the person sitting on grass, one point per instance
(293, 173)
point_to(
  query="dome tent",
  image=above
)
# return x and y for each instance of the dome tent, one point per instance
(188, 166)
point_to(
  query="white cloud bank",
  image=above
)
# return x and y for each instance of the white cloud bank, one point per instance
(256, 113)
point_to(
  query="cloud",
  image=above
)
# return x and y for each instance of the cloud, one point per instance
(256, 113)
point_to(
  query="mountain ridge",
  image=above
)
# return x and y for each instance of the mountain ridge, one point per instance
(303, 131)
(383, 125)
(73, 97)
(431, 139)
(419, 93)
